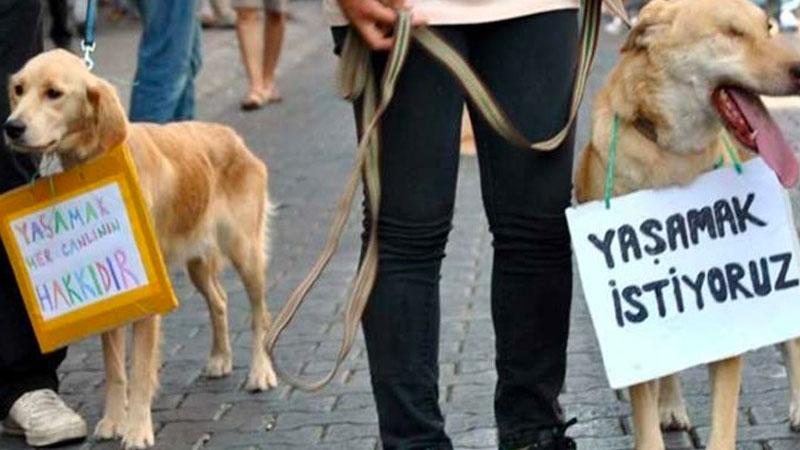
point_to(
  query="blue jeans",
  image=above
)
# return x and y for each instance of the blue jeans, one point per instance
(169, 59)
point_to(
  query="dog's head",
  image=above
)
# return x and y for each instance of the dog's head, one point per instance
(720, 55)
(58, 106)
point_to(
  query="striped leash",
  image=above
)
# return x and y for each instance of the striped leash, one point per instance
(357, 82)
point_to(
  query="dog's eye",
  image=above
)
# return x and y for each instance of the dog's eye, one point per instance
(734, 32)
(53, 94)
(18, 90)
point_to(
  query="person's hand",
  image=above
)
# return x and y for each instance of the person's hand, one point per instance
(374, 20)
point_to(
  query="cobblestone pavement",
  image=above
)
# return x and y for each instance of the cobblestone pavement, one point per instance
(308, 141)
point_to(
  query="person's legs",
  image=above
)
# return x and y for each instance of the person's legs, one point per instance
(250, 31)
(273, 41)
(166, 62)
(23, 368)
(528, 63)
(186, 104)
(59, 28)
(419, 165)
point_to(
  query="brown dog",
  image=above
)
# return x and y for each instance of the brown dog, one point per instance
(688, 68)
(208, 197)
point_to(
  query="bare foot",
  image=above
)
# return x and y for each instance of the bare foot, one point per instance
(271, 94)
(253, 101)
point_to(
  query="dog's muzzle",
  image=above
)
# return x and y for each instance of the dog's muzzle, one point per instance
(14, 129)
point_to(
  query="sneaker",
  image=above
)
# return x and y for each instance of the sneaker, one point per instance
(614, 26)
(787, 21)
(44, 419)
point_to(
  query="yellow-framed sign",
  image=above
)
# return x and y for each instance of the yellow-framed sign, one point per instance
(84, 252)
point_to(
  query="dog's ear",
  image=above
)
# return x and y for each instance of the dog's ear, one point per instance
(110, 123)
(654, 20)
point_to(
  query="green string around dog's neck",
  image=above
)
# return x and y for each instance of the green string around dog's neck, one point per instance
(612, 161)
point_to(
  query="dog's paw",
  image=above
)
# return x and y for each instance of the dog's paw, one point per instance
(108, 428)
(674, 417)
(794, 415)
(219, 366)
(138, 436)
(262, 377)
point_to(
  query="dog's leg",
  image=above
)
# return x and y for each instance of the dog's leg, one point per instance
(791, 351)
(644, 400)
(671, 407)
(250, 262)
(204, 274)
(138, 433)
(726, 380)
(110, 426)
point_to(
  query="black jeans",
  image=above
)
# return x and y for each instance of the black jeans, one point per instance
(59, 28)
(22, 366)
(528, 65)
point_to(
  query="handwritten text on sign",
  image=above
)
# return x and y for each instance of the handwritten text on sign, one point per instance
(80, 251)
(685, 276)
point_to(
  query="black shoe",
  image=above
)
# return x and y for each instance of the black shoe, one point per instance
(554, 438)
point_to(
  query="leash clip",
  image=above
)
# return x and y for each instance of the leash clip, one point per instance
(87, 50)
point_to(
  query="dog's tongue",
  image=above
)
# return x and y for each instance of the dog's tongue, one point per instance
(772, 146)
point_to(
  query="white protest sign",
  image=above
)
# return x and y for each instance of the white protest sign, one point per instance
(689, 275)
(79, 251)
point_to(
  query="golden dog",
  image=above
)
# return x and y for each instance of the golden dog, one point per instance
(208, 197)
(688, 68)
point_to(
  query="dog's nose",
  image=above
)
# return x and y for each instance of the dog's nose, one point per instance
(14, 128)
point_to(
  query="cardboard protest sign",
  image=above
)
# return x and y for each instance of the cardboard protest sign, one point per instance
(84, 252)
(689, 275)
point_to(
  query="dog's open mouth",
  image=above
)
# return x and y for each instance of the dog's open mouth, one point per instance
(748, 120)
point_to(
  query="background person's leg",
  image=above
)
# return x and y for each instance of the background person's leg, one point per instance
(528, 65)
(22, 367)
(419, 166)
(275, 22)
(186, 105)
(250, 31)
(165, 60)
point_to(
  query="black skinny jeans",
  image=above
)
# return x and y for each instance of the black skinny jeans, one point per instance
(528, 65)
(22, 367)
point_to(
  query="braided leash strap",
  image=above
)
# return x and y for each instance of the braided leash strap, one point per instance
(356, 81)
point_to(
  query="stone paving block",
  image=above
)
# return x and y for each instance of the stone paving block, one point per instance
(305, 436)
(354, 401)
(348, 433)
(182, 435)
(788, 444)
(291, 420)
(614, 443)
(481, 437)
